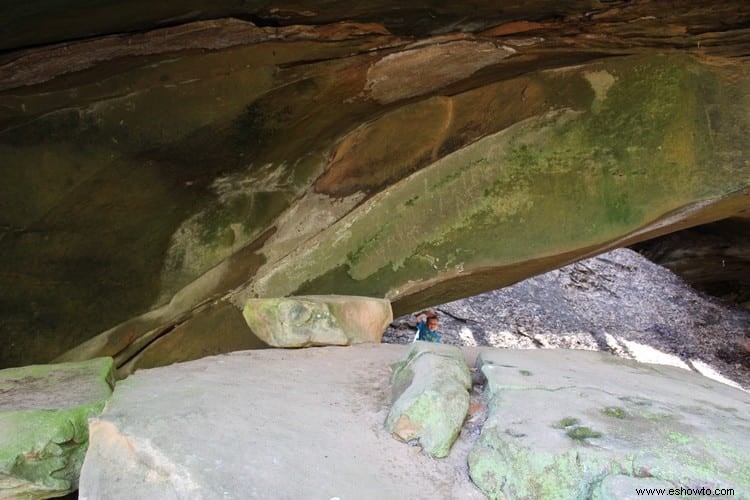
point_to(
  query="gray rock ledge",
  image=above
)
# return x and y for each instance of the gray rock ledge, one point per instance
(571, 424)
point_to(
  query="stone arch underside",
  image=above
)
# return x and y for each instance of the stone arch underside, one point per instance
(155, 180)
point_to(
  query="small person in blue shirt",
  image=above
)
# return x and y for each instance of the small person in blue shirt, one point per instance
(427, 327)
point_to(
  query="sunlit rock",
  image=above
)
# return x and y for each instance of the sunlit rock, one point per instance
(578, 423)
(430, 397)
(318, 320)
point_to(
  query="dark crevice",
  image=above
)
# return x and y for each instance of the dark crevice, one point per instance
(259, 21)
(164, 331)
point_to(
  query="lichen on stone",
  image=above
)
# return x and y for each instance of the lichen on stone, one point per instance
(614, 412)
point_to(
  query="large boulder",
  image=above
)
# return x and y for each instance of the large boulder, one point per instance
(44, 411)
(430, 397)
(318, 320)
(577, 424)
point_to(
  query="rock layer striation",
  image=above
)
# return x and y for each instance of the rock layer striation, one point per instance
(160, 164)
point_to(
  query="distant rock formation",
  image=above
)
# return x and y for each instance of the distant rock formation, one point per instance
(618, 302)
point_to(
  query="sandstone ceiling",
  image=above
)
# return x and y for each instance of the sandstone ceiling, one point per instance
(163, 162)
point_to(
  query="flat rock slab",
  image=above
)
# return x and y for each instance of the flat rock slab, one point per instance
(276, 423)
(315, 320)
(582, 424)
(430, 396)
(43, 424)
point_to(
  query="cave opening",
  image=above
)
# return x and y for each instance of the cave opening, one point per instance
(667, 300)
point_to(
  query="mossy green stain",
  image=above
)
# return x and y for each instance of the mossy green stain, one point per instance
(581, 433)
(567, 422)
(47, 447)
(615, 171)
(338, 280)
(501, 468)
(543, 186)
(679, 438)
(639, 106)
(683, 458)
(614, 412)
(116, 176)
(438, 418)
(524, 156)
(525, 373)
(370, 242)
(214, 221)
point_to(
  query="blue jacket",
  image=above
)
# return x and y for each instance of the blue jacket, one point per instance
(424, 333)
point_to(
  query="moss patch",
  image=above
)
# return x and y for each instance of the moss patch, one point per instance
(572, 178)
(581, 433)
(110, 168)
(614, 412)
(567, 422)
(44, 424)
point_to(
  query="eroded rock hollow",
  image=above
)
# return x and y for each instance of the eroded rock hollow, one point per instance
(162, 165)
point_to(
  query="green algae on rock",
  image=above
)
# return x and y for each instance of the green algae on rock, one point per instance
(483, 198)
(318, 320)
(584, 425)
(85, 152)
(430, 397)
(44, 413)
(353, 160)
(564, 179)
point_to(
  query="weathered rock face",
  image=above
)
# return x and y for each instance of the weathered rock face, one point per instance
(318, 320)
(308, 423)
(271, 423)
(416, 155)
(579, 424)
(44, 413)
(430, 397)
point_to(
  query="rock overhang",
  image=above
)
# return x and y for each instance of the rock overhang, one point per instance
(291, 163)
